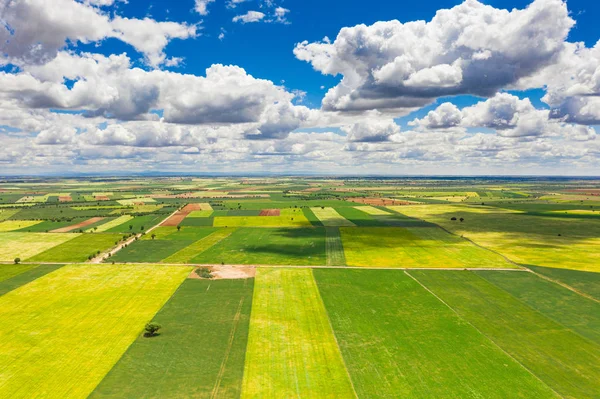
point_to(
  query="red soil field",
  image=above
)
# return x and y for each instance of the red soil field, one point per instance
(102, 198)
(270, 212)
(77, 226)
(180, 215)
(65, 199)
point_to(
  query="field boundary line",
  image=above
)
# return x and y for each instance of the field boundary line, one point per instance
(333, 333)
(201, 240)
(480, 332)
(236, 320)
(564, 285)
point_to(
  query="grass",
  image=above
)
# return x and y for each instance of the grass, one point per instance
(200, 350)
(523, 238)
(26, 245)
(265, 246)
(292, 352)
(563, 359)
(288, 218)
(25, 277)
(399, 341)
(334, 247)
(188, 253)
(311, 217)
(63, 345)
(428, 247)
(111, 224)
(149, 250)
(586, 282)
(11, 225)
(77, 249)
(330, 218)
(560, 304)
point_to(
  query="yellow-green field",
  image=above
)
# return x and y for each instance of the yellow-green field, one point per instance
(420, 247)
(188, 253)
(570, 243)
(113, 223)
(11, 225)
(292, 352)
(371, 210)
(330, 218)
(63, 345)
(287, 218)
(26, 245)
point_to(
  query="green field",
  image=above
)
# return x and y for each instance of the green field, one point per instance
(406, 343)
(137, 223)
(10, 271)
(266, 246)
(200, 351)
(291, 349)
(77, 249)
(188, 253)
(420, 247)
(360, 218)
(565, 307)
(561, 358)
(587, 283)
(112, 224)
(12, 225)
(26, 245)
(89, 316)
(149, 250)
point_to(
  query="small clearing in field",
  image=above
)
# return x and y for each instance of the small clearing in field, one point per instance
(65, 199)
(270, 212)
(77, 226)
(228, 272)
(378, 201)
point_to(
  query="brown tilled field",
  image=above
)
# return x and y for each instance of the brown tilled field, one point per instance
(65, 199)
(182, 214)
(102, 198)
(77, 226)
(270, 212)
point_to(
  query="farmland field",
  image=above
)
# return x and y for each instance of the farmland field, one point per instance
(26, 245)
(291, 349)
(77, 249)
(88, 318)
(210, 365)
(561, 358)
(412, 329)
(300, 287)
(414, 247)
(268, 246)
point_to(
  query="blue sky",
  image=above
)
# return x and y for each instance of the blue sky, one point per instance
(337, 86)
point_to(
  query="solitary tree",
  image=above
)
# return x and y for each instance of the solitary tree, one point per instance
(151, 329)
(17, 261)
(178, 228)
(153, 236)
(130, 227)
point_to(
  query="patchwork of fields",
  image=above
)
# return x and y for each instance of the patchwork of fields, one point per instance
(319, 289)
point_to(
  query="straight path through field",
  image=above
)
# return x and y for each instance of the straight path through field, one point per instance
(563, 359)
(292, 352)
(63, 332)
(334, 247)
